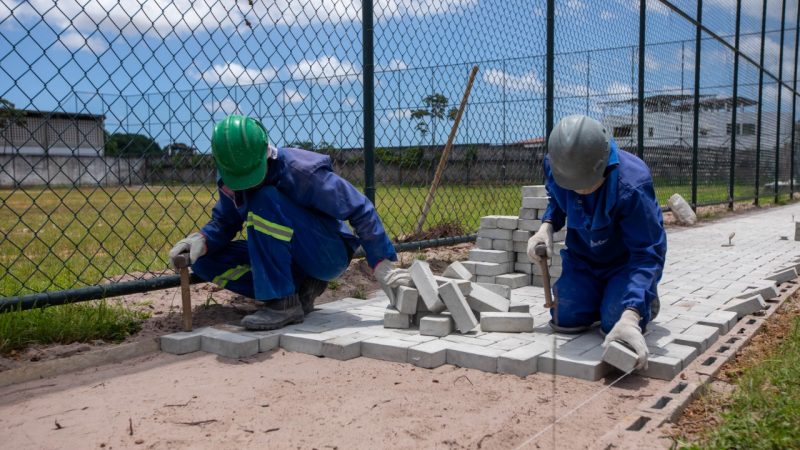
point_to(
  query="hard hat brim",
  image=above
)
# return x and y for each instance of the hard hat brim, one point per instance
(241, 182)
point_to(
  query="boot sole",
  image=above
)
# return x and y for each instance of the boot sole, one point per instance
(292, 321)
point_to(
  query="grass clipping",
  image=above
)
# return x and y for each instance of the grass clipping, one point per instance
(79, 322)
(763, 410)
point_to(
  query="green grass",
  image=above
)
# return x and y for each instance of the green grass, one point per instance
(66, 324)
(61, 238)
(765, 409)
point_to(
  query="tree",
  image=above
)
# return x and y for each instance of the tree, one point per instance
(320, 147)
(433, 111)
(131, 145)
(10, 115)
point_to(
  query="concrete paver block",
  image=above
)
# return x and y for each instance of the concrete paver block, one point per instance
(691, 340)
(620, 356)
(484, 243)
(507, 222)
(586, 366)
(393, 318)
(522, 361)
(182, 342)
(766, 291)
(513, 280)
(519, 308)
(491, 269)
(520, 247)
(458, 307)
(709, 333)
(267, 340)
(507, 322)
(387, 349)
(308, 343)
(526, 268)
(428, 355)
(482, 299)
(534, 191)
(490, 256)
(489, 222)
(426, 285)
(499, 289)
(521, 236)
(745, 306)
(473, 357)
(495, 233)
(406, 300)
(463, 285)
(436, 325)
(661, 367)
(228, 344)
(458, 271)
(529, 225)
(685, 353)
(782, 276)
(718, 316)
(483, 279)
(344, 347)
(502, 244)
(528, 213)
(535, 202)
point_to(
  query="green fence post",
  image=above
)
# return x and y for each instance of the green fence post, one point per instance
(735, 105)
(640, 99)
(760, 99)
(369, 100)
(696, 106)
(780, 92)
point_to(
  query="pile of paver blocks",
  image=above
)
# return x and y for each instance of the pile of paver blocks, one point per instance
(440, 305)
(501, 253)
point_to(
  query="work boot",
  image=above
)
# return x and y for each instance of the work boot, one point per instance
(655, 307)
(310, 289)
(275, 314)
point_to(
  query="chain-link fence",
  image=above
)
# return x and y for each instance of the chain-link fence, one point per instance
(106, 110)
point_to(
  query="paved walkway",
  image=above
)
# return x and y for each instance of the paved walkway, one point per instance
(701, 280)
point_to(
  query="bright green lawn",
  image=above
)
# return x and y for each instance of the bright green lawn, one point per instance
(61, 238)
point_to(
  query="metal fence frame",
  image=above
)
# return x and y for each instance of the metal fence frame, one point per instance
(369, 117)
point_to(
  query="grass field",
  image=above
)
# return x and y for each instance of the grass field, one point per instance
(52, 239)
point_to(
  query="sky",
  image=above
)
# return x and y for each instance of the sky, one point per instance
(170, 69)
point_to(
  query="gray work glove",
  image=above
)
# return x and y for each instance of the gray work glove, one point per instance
(543, 236)
(194, 244)
(627, 331)
(390, 278)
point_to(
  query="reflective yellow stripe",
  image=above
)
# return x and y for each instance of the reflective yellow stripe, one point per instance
(230, 275)
(263, 225)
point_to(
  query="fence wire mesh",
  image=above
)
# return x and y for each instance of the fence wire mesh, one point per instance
(107, 107)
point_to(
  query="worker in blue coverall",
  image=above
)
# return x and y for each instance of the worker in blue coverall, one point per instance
(294, 209)
(616, 244)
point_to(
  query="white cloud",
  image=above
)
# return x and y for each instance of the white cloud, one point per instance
(231, 74)
(525, 82)
(351, 100)
(618, 88)
(227, 106)
(394, 64)
(293, 96)
(754, 8)
(607, 15)
(75, 41)
(398, 114)
(326, 69)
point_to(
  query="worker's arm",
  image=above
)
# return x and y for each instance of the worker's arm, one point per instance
(334, 196)
(643, 235)
(554, 214)
(225, 221)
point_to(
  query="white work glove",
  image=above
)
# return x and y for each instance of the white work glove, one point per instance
(543, 236)
(627, 331)
(195, 244)
(390, 278)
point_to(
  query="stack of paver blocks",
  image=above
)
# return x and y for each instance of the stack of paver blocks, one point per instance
(441, 304)
(501, 253)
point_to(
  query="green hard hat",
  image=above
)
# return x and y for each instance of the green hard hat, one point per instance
(239, 146)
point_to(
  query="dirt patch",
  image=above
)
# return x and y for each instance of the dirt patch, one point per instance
(213, 305)
(704, 413)
(290, 400)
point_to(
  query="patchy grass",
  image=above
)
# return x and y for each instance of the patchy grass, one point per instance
(61, 238)
(760, 406)
(80, 322)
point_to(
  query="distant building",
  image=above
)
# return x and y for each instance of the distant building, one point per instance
(41, 133)
(668, 122)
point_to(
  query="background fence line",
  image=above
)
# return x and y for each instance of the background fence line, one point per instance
(106, 112)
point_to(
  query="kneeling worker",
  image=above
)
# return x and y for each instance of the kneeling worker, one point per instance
(293, 206)
(616, 243)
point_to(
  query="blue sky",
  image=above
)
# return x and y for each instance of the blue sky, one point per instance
(171, 71)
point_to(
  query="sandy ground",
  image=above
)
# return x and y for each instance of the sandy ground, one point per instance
(290, 400)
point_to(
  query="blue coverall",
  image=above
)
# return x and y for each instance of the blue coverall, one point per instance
(295, 229)
(616, 245)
